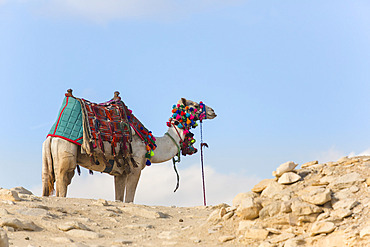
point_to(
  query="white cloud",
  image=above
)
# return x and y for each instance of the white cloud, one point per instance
(105, 11)
(157, 183)
(365, 152)
(333, 154)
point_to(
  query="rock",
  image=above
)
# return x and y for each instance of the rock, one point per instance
(365, 232)
(256, 234)
(262, 185)
(143, 212)
(33, 212)
(122, 242)
(274, 191)
(289, 178)
(140, 226)
(8, 228)
(345, 204)
(19, 224)
(295, 242)
(228, 215)
(286, 207)
(239, 197)
(343, 159)
(304, 208)
(9, 195)
(62, 240)
(354, 189)
(281, 238)
(286, 167)
(101, 202)
(167, 235)
(77, 233)
(368, 181)
(316, 195)
(4, 242)
(311, 163)
(271, 209)
(221, 205)
(215, 229)
(306, 219)
(224, 239)
(277, 220)
(267, 244)
(347, 181)
(340, 213)
(3, 212)
(66, 226)
(273, 230)
(244, 225)
(216, 215)
(322, 227)
(21, 190)
(248, 209)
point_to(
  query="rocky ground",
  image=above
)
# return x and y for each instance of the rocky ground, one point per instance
(316, 205)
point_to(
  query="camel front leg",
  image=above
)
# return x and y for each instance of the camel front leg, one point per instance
(131, 184)
(119, 186)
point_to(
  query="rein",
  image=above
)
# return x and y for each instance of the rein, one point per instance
(176, 161)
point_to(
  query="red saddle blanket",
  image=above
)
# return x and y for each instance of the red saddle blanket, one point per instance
(110, 122)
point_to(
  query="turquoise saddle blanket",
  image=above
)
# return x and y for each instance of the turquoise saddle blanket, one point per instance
(69, 122)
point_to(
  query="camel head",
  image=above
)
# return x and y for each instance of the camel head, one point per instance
(210, 113)
(185, 115)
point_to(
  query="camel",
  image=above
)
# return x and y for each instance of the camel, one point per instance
(61, 157)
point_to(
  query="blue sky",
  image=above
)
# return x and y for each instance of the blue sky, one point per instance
(289, 80)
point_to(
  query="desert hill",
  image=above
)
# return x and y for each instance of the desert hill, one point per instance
(316, 205)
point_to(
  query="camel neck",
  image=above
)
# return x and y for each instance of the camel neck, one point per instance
(166, 148)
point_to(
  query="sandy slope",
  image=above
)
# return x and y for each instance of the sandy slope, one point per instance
(106, 223)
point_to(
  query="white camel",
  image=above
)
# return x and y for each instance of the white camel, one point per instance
(60, 158)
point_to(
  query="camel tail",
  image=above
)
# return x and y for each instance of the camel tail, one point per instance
(48, 176)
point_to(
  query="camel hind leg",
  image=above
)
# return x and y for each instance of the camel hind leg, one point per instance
(48, 177)
(65, 161)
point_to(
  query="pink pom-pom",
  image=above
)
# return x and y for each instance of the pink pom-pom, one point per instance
(195, 109)
(186, 131)
(178, 105)
(178, 117)
(191, 117)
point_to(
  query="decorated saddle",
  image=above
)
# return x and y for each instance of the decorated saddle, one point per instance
(103, 131)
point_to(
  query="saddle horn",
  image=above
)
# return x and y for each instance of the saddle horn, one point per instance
(69, 93)
(116, 96)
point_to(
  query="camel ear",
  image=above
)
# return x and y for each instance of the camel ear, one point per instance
(183, 100)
